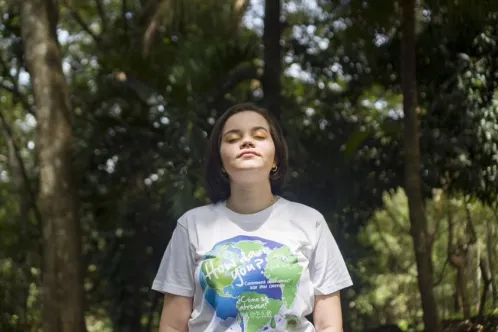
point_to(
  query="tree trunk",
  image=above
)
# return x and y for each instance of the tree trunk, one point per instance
(419, 227)
(62, 290)
(458, 257)
(472, 264)
(272, 56)
(462, 281)
(486, 275)
(490, 244)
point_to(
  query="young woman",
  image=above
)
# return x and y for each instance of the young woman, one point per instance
(251, 261)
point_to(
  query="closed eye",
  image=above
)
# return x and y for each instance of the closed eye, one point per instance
(232, 138)
(260, 134)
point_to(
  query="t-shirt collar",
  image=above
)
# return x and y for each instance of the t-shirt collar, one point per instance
(254, 218)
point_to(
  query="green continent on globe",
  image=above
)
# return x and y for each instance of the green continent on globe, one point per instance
(249, 246)
(218, 268)
(282, 267)
(221, 264)
(257, 310)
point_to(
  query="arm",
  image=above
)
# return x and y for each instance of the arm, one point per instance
(175, 314)
(329, 275)
(327, 315)
(175, 279)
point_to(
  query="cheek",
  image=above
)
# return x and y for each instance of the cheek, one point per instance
(269, 150)
(225, 152)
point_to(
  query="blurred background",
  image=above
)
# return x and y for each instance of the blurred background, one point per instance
(105, 107)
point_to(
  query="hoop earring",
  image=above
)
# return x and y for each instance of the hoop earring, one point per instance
(274, 169)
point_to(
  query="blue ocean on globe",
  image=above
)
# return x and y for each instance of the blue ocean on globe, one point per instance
(226, 305)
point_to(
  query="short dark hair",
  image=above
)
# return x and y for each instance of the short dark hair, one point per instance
(216, 183)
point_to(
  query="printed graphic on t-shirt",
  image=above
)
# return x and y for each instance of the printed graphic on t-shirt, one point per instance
(252, 280)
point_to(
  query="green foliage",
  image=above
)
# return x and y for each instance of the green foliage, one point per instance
(141, 124)
(390, 290)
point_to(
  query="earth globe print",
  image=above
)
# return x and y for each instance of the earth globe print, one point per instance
(251, 280)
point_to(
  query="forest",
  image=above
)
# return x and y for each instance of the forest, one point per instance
(390, 110)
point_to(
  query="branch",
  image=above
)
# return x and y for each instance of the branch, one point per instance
(435, 233)
(101, 11)
(22, 98)
(450, 220)
(233, 79)
(449, 249)
(15, 89)
(81, 22)
(486, 275)
(150, 19)
(470, 224)
(441, 276)
(9, 136)
(240, 8)
(18, 72)
(149, 8)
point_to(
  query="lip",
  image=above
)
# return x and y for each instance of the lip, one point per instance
(250, 153)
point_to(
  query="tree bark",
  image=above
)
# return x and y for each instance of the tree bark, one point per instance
(458, 256)
(461, 285)
(486, 275)
(491, 261)
(422, 240)
(272, 56)
(472, 250)
(62, 289)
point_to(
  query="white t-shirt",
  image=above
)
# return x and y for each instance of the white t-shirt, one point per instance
(252, 273)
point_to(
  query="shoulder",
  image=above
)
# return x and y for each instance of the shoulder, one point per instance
(192, 216)
(304, 213)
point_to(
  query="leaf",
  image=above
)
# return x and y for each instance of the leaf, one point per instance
(354, 142)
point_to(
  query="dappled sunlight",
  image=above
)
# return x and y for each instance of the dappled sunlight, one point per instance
(390, 113)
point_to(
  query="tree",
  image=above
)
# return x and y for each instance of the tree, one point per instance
(459, 255)
(272, 56)
(390, 293)
(422, 240)
(58, 202)
(147, 78)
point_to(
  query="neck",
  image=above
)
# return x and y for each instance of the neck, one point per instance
(250, 198)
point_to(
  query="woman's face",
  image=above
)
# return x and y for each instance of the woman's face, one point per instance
(247, 149)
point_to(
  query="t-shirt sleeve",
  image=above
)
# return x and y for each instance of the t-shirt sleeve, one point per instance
(328, 270)
(176, 271)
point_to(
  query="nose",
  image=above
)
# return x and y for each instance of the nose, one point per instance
(247, 143)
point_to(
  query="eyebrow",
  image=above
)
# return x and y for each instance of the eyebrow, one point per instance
(238, 131)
